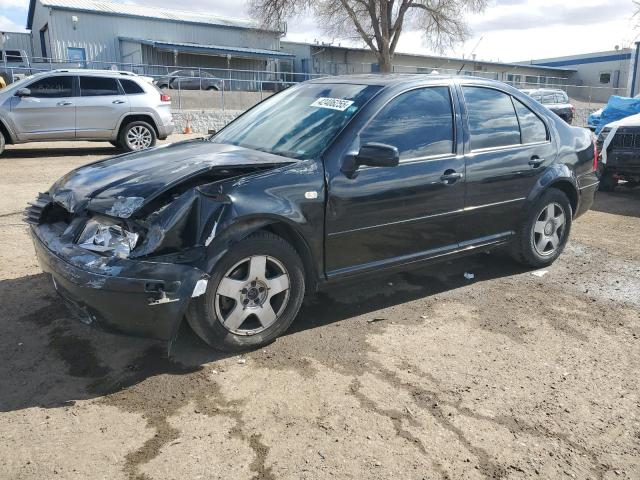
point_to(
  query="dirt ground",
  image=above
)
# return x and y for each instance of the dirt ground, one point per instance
(420, 375)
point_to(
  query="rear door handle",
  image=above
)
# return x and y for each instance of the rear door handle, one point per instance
(118, 102)
(450, 177)
(64, 104)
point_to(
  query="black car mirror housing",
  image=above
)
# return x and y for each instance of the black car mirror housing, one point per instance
(371, 155)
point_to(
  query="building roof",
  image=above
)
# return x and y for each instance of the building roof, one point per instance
(212, 49)
(583, 58)
(141, 11)
(435, 57)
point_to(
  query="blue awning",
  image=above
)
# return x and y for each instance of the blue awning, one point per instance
(218, 50)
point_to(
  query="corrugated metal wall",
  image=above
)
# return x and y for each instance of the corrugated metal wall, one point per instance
(99, 34)
(17, 41)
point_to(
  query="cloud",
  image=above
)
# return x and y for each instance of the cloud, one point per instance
(8, 25)
(18, 4)
(528, 16)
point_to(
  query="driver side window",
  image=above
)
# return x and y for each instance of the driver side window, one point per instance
(419, 123)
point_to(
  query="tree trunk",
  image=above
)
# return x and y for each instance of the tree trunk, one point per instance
(384, 62)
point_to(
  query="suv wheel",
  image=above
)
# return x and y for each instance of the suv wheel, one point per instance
(546, 230)
(607, 182)
(2, 143)
(137, 136)
(253, 295)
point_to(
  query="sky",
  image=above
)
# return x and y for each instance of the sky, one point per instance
(508, 30)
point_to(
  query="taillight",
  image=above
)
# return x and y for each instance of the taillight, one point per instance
(164, 97)
(595, 157)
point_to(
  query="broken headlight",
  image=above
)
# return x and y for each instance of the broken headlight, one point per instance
(104, 237)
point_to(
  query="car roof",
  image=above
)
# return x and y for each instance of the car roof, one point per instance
(385, 79)
(408, 79)
(547, 90)
(83, 71)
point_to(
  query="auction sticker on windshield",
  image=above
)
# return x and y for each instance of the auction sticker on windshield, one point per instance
(332, 103)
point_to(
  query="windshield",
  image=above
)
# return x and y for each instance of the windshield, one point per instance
(298, 122)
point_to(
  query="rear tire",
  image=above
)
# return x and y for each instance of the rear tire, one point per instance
(254, 294)
(546, 230)
(2, 143)
(136, 136)
(116, 144)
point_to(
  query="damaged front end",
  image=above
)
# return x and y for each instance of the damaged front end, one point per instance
(132, 262)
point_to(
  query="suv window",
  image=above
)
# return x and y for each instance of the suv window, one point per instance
(531, 127)
(130, 87)
(52, 87)
(492, 118)
(98, 86)
(418, 123)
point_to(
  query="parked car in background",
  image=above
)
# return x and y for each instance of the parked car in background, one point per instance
(190, 80)
(555, 100)
(619, 147)
(117, 107)
(330, 179)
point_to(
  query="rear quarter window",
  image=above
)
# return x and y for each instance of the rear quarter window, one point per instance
(532, 128)
(130, 87)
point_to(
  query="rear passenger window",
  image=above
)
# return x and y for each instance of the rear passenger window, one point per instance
(418, 123)
(98, 86)
(130, 87)
(492, 118)
(532, 128)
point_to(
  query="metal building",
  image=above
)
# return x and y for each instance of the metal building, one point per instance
(321, 58)
(100, 33)
(600, 73)
(16, 41)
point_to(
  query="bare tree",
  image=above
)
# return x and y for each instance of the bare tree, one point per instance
(379, 23)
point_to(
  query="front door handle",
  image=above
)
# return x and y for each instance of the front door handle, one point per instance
(450, 177)
(64, 104)
(118, 102)
(535, 162)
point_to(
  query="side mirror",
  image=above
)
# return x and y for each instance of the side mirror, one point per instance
(23, 92)
(378, 155)
(372, 155)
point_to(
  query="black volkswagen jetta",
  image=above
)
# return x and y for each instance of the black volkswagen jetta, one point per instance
(329, 179)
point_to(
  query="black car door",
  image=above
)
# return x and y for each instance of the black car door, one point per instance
(507, 152)
(388, 215)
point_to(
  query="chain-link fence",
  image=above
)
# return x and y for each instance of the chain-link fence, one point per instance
(200, 88)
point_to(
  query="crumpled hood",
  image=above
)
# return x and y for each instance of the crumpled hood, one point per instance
(123, 184)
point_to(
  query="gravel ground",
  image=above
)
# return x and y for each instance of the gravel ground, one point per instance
(420, 375)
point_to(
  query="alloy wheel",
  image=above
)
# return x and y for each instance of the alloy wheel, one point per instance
(252, 295)
(549, 229)
(139, 138)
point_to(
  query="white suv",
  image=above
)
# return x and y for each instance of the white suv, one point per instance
(118, 107)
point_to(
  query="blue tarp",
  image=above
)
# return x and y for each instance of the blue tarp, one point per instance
(616, 108)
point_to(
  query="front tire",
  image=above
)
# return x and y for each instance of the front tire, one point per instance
(136, 136)
(545, 232)
(254, 294)
(2, 143)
